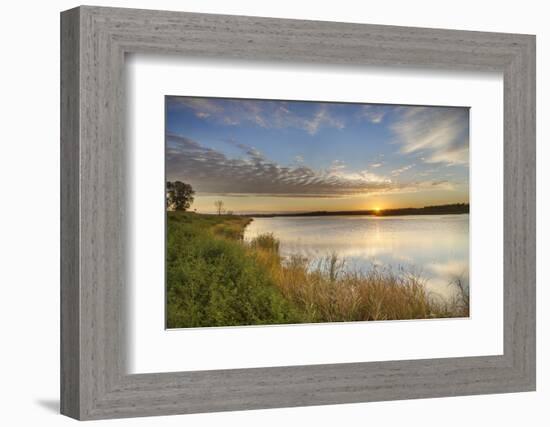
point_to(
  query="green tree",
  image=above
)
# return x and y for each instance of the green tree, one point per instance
(179, 196)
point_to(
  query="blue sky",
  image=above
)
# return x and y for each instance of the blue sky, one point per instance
(264, 155)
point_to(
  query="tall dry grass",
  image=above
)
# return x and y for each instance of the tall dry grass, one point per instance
(325, 291)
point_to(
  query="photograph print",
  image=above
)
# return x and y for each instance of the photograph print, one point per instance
(288, 212)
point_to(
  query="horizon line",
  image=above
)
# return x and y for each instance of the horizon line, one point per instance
(449, 206)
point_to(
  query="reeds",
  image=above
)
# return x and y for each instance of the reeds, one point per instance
(325, 291)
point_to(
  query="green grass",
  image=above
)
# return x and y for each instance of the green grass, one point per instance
(213, 281)
(216, 279)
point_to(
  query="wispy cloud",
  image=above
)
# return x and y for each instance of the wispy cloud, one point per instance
(373, 113)
(441, 134)
(262, 113)
(399, 171)
(202, 107)
(322, 118)
(337, 166)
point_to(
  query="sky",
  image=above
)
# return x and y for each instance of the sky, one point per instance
(260, 156)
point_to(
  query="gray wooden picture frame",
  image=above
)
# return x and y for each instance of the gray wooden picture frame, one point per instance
(94, 381)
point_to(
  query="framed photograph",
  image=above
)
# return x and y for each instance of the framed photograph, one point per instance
(262, 213)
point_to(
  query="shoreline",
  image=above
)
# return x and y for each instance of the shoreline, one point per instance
(451, 209)
(332, 215)
(454, 209)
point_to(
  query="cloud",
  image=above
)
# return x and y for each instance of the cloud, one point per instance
(322, 118)
(399, 171)
(376, 165)
(211, 171)
(441, 134)
(252, 152)
(262, 113)
(336, 166)
(373, 113)
(202, 107)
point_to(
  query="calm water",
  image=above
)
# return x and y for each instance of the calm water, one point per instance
(434, 246)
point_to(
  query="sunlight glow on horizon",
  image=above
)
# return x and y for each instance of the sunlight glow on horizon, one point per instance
(262, 204)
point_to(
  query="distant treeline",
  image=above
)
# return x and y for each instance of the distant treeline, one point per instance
(457, 208)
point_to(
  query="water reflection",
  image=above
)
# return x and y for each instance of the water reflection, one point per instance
(436, 247)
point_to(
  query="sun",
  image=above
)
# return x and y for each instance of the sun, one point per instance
(377, 209)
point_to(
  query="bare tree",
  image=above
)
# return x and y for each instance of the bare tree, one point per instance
(219, 206)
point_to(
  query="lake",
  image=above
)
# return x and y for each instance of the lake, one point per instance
(436, 247)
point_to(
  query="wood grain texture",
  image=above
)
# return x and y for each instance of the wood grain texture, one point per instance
(94, 232)
(70, 291)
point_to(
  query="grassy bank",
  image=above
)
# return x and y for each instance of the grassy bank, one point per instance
(212, 279)
(216, 279)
